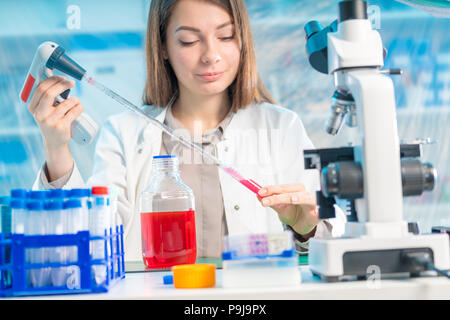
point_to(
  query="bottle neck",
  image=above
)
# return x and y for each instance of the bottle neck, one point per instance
(162, 174)
(166, 167)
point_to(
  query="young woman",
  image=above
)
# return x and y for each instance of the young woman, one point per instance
(202, 77)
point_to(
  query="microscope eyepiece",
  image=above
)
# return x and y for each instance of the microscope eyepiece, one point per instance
(311, 28)
(352, 9)
(316, 44)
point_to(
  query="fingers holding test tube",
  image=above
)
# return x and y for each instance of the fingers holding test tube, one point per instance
(295, 206)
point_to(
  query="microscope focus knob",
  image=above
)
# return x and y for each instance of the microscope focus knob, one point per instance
(417, 177)
(344, 179)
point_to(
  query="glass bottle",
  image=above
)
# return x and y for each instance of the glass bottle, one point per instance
(167, 209)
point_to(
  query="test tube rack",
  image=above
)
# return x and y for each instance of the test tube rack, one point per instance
(13, 267)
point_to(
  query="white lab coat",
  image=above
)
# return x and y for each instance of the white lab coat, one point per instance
(263, 142)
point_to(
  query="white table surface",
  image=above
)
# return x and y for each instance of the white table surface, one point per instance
(149, 285)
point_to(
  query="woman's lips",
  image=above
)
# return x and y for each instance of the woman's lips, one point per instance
(210, 76)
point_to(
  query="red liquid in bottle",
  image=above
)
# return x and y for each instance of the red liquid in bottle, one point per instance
(168, 238)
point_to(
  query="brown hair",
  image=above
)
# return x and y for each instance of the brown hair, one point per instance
(162, 84)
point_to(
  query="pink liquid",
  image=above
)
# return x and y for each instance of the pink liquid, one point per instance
(248, 183)
(251, 185)
(168, 238)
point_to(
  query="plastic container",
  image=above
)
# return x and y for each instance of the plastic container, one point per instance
(188, 276)
(83, 195)
(5, 215)
(73, 223)
(112, 203)
(37, 224)
(167, 209)
(258, 260)
(18, 215)
(54, 208)
(113, 212)
(99, 219)
(254, 245)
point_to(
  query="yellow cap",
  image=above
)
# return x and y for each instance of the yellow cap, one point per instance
(202, 275)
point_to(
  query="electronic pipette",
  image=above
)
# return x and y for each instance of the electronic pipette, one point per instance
(50, 56)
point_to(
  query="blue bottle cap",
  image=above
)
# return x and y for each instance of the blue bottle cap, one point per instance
(79, 193)
(165, 156)
(54, 205)
(56, 193)
(72, 204)
(39, 194)
(168, 279)
(19, 193)
(66, 193)
(18, 204)
(35, 205)
(5, 200)
(227, 255)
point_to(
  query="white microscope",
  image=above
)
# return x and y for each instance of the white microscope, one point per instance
(375, 174)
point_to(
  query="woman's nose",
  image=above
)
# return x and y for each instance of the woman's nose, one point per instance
(211, 59)
(211, 54)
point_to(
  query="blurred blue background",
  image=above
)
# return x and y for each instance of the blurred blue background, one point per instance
(107, 37)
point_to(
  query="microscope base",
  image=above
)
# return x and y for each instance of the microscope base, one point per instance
(338, 259)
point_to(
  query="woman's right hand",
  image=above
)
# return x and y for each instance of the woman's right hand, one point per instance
(55, 122)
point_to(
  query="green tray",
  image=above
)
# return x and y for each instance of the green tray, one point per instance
(138, 266)
(302, 260)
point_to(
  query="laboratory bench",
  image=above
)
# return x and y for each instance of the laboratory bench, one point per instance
(141, 285)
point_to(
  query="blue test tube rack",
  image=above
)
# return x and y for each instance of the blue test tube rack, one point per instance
(13, 280)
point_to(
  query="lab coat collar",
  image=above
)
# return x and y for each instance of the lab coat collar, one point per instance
(232, 125)
(151, 131)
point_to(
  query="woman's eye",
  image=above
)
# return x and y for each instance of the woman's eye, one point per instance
(227, 38)
(187, 43)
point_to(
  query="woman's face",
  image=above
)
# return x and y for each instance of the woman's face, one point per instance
(201, 47)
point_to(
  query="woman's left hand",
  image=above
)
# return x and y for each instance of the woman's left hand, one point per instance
(295, 206)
